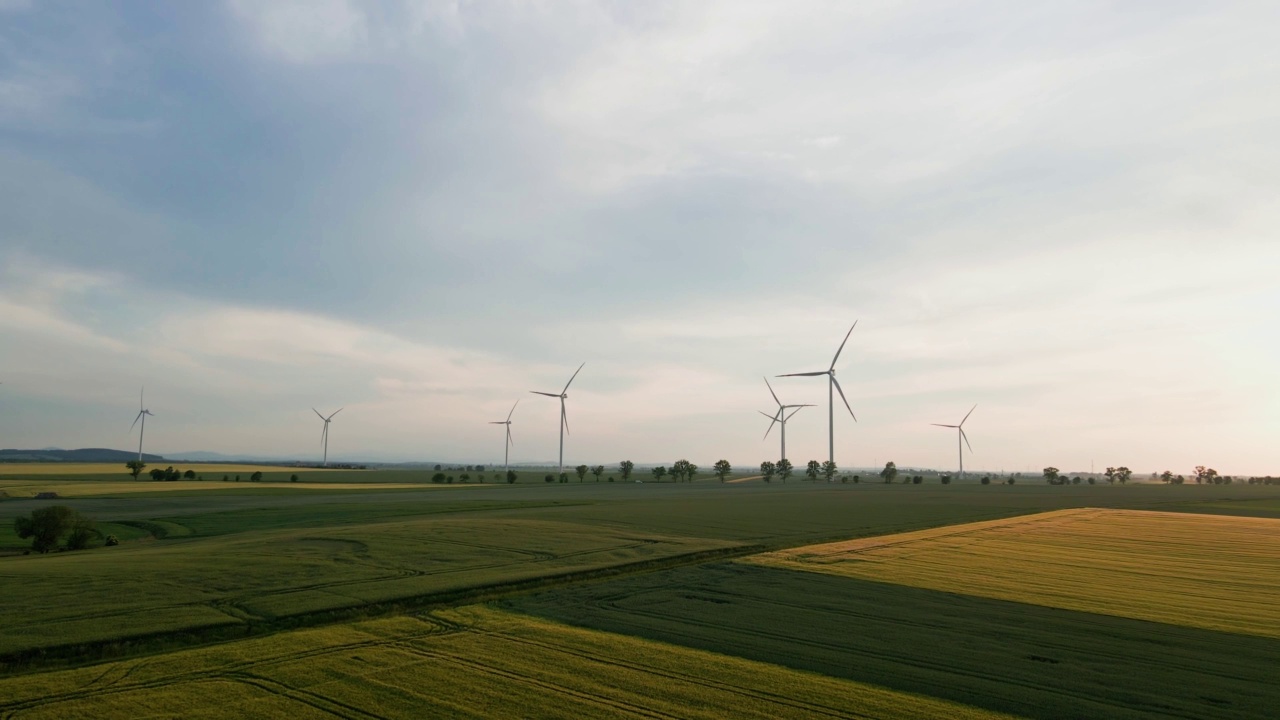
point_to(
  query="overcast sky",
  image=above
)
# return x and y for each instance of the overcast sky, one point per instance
(1064, 212)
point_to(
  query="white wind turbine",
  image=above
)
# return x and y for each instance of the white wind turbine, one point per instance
(781, 416)
(833, 386)
(143, 412)
(506, 448)
(960, 431)
(324, 434)
(564, 418)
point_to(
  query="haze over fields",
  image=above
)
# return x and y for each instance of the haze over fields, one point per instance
(1064, 212)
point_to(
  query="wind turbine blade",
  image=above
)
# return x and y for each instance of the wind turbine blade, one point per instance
(535, 392)
(317, 412)
(941, 425)
(575, 374)
(497, 422)
(966, 439)
(842, 397)
(774, 419)
(793, 412)
(846, 339)
(564, 418)
(809, 374)
(135, 421)
(771, 392)
(335, 412)
(966, 415)
(509, 440)
(513, 409)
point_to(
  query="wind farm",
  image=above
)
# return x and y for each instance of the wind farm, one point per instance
(425, 212)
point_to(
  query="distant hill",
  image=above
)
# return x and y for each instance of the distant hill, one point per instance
(83, 455)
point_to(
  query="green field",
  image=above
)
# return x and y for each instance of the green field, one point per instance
(638, 560)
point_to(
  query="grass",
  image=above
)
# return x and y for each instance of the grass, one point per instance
(470, 662)
(1212, 572)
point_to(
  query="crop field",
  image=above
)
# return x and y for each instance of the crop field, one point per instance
(470, 662)
(645, 563)
(1066, 615)
(1212, 572)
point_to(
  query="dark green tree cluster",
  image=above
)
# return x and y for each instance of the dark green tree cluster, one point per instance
(683, 471)
(722, 469)
(46, 526)
(890, 472)
(624, 469)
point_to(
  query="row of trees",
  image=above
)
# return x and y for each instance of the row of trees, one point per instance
(47, 525)
(784, 469)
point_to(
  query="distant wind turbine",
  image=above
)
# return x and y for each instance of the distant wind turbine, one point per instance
(506, 448)
(780, 417)
(832, 387)
(960, 430)
(564, 418)
(324, 434)
(143, 412)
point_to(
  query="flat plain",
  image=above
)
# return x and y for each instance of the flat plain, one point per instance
(623, 563)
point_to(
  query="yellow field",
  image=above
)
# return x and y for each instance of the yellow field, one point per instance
(56, 468)
(74, 488)
(470, 662)
(1206, 571)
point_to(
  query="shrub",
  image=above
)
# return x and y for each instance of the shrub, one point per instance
(550, 478)
(511, 477)
(189, 475)
(1092, 481)
(237, 478)
(449, 480)
(1010, 481)
(986, 480)
(844, 479)
(293, 477)
(464, 477)
(437, 478)
(1075, 480)
(112, 541)
(857, 479)
(256, 477)
(224, 478)
(610, 478)
(917, 480)
(946, 479)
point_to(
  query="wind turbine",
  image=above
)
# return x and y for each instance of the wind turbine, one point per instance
(324, 434)
(506, 448)
(781, 416)
(960, 429)
(564, 418)
(142, 415)
(832, 386)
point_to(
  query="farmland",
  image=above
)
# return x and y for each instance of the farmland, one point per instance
(630, 565)
(469, 662)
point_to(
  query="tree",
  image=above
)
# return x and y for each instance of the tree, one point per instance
(889, 472)
(658, 472)
(723, 468)
(1051, 474)
(256, 477)
(690, 472)
(135, 468)
(945, 478)
(680, 470)
(986, 480)
(597, 471)
(581, 470)
(1123, 474)
(189, 475)
(1166, 476)
(625, 467)
(45, 525)
(511, 477)
(768, 469)
(829, 469)
(784, 469)
(812, 468)
(1110, 475)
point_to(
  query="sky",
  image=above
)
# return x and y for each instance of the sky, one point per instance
(1062, 212)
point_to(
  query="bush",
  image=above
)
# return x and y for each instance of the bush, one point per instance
(610, 478)
(112, 541)
(293, 477)
(844, 479)
(1075, 480)
(550, 478)
(1092, 481)
(511, 477)
(449, 480)
(189, 475)
(80, 536)
(917, 480)
(946, 479)
(986, 480)
(464, 477)
(1010, 481)
(224, 478)
(256, 477)
(857, 479)
(564, 477)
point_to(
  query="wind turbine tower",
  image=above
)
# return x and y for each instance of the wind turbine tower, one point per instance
(961, 436)
(781, 417)
(324, 434)
(833, 386)
(506, 448)
(143, 412)
(564, 418)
